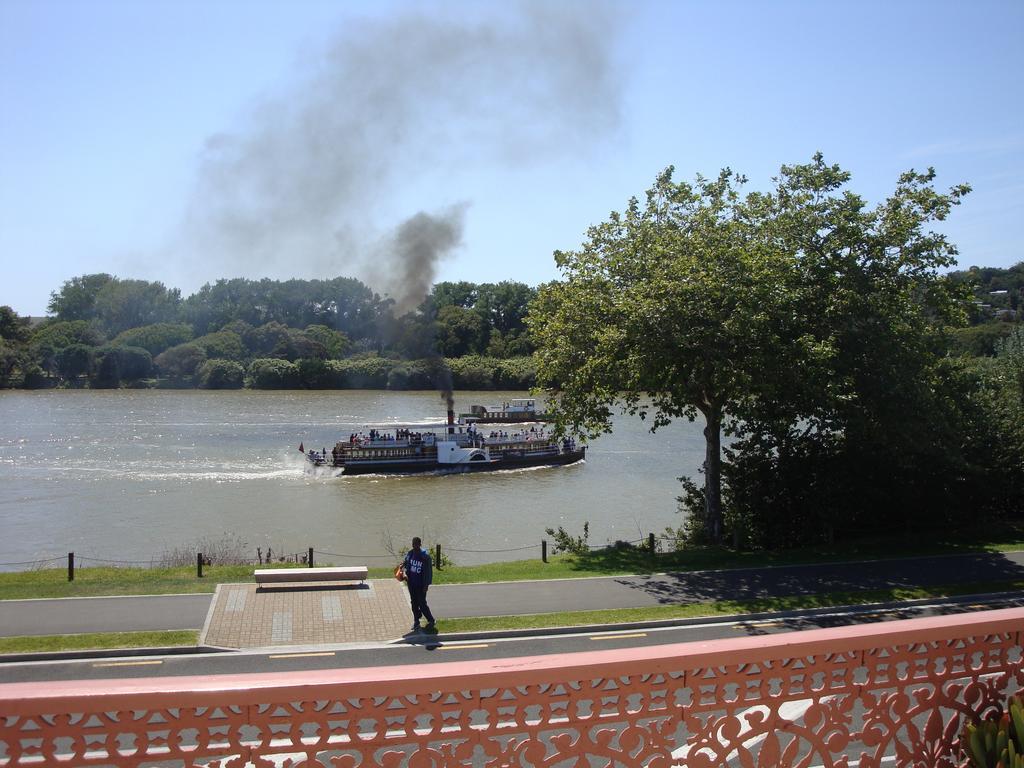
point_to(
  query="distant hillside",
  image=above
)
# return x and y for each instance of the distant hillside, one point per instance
(998, 292)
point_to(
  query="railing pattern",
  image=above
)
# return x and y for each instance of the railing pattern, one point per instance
(894, 693)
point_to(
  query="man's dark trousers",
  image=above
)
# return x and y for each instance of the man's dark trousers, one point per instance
(418, 600)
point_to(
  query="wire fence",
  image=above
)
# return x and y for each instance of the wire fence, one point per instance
(35, 563)
(310, 555)
(341, 554)
(144, 563)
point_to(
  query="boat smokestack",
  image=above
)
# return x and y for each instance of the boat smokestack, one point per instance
(451, 421)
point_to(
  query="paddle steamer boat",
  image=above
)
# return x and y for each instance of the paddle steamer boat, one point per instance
(452, 449)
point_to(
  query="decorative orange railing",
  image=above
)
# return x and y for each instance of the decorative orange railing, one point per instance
(894, 693)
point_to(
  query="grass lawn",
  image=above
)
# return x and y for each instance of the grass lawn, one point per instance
(722, 608)
(98, 640)
(117, 640)
(603, 562)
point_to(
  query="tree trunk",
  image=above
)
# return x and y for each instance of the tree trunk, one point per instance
(713, 473)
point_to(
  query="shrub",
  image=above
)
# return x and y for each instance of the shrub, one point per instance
(335, 343)
(365, 372)
(415, 374)
(315, 373)
(471, 372)
(221, 374)
(75, 360)
(155, 338)
(222, 345)
(515, 373)
(271, 373)
(997, 741)
(565, 542)
(229, 549)
(180, 361)
(122, 364)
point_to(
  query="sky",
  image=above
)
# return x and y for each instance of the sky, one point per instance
(190, 140)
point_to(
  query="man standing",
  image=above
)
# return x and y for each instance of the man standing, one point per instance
(419, 573)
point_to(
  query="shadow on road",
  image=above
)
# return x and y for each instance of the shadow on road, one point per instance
(788, 581)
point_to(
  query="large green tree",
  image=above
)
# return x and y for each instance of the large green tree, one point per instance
(866, 431)
(800, 312)
(76, 299)
(124, 304)
(671, 309)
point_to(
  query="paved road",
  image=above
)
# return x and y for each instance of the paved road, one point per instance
(102, 614)
(517, 598)
(112, 614)
(428, 648)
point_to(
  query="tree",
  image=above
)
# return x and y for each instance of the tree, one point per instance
(504, 305)
(124, 304)
(669, 310)
(16, 365)
(220, 374)
(454, 294)
(977, 340)
(222, 345)
(865, 420)
(155, 338)
(1010, 354)
(459, 331)
(335, 343)
(51, 337)
(273, 373)
(119, 364)
(342, 303)
(75, 360)
(76, 300)
(181, 360)
(797, 314)
(13, 328)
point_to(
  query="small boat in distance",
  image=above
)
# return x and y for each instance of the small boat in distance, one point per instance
(453, 449)
(511, 412)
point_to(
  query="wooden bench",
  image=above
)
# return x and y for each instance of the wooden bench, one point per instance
(288, 575)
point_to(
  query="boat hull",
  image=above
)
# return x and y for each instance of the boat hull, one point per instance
(506, 418)
(423, 466)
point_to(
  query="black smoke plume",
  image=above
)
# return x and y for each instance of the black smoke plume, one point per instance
(376, 117)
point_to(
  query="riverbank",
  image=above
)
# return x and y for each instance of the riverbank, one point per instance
(609, 561)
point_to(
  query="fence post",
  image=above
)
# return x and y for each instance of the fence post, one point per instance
(71, 566)
(437, 556)
(309, 562)
(544, 550)
(650, 542)
(199, 564)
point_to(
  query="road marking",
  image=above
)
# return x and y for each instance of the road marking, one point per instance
(300, 655)
(756, 624)
(128, 663)
(617, 637)
(460, 647)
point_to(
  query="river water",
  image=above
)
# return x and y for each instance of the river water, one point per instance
(132, 475)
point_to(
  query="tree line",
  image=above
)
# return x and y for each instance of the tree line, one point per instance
(818, 341)
(105, 331)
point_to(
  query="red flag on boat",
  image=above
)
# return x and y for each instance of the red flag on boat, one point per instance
(301, 449)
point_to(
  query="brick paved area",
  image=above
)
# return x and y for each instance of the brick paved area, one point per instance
(242, 616)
